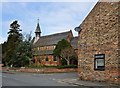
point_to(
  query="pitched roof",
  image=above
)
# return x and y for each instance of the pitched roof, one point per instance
(51, 39)
(74, 42)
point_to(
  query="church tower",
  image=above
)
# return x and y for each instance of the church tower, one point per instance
(37, 32)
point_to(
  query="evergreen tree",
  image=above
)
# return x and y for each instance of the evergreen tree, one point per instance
(23, 52)
(4, 49)
(17, 50)
(14, 38)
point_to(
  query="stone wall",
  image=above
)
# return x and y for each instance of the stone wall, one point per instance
(100, 34)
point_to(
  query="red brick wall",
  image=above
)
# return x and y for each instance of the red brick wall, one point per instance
(50, 61)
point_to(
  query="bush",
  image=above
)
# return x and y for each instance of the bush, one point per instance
(67, 66)
(49, 66)
(64, 62)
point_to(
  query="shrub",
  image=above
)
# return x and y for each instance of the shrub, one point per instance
(67, 66)
(64, 62)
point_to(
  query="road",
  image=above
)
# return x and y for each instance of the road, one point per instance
(32, 79)
(51, 79)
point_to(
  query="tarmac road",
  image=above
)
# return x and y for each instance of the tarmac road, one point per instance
(51, 79)
(31, 79)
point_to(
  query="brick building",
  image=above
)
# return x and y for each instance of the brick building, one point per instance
(43, 46)
(99, 44)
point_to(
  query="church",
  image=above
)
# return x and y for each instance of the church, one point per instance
(43, 46)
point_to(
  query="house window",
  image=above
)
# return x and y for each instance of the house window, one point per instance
(38, 48)
(99, 62)
(46, 58)
(55, 58)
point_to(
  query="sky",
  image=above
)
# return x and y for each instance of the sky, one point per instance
(54, 16)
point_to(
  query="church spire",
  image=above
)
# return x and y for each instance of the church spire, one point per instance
(37, 32)
(38, 28)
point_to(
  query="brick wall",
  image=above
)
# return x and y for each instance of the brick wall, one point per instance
(41, 60)
(100, 34)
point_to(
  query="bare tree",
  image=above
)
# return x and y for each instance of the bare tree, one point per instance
(66, 53)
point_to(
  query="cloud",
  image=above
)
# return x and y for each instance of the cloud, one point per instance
(59, 0)
(54, 16)
(51, 0)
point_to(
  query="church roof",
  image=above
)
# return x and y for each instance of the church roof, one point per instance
(51, 39)
(47, 52)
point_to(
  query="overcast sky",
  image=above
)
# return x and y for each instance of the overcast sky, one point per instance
(54, 16)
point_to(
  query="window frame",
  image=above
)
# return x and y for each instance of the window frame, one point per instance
(98, 57)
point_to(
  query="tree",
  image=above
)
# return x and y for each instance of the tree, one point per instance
(67, 53)
(0, 53)
(17, 49)
(64, 49)
(4, 45)
(23, 52)
(9, 47)
(60, 45)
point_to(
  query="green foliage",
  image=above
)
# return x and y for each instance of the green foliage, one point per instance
(9, 47)
(74, 60)
(64, 49)
(64, 62)
(67, 66)
(22, 54)
(61, 45)
(17, 50)
(4, 45)
(68, 53)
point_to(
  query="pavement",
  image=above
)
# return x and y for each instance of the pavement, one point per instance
(89, 84)
(53, 79)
